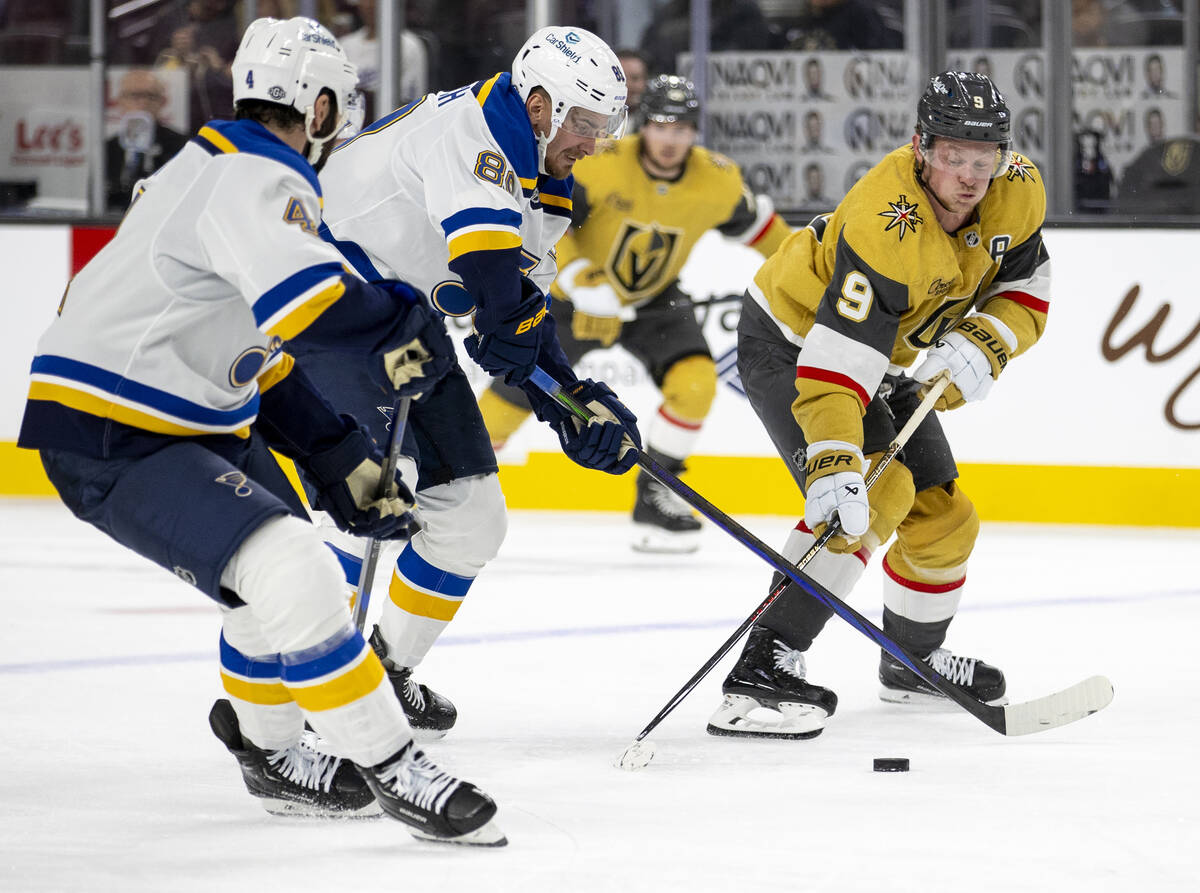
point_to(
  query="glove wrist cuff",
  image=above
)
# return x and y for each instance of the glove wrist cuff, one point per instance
(991, 336)
(827, 457)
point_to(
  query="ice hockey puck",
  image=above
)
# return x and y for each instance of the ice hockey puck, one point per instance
(891, 764)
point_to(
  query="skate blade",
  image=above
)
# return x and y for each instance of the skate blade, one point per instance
(290, 809)
(488, 835)
(427, 735)
(939, 703)
(655, 540)
(792, 720)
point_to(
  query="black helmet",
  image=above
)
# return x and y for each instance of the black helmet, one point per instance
(963, 105)
(670, 98)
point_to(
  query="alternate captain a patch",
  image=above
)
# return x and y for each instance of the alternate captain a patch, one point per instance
(902, 215)
(295, 213)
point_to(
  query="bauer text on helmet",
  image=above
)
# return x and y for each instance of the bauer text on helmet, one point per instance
(965, 107)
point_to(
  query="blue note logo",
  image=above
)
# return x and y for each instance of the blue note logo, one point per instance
(238, 481)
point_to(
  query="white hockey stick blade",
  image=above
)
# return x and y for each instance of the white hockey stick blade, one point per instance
(1071, 704)
(636, 756)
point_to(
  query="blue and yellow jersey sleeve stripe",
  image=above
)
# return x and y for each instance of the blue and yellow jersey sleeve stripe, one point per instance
(288, 308)
(277, 369)
(482, 229)
(89, 389)
(555, 196)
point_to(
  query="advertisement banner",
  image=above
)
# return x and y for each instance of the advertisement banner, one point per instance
(44, 128)
(805, 126)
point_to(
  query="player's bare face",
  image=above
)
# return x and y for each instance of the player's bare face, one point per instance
(958, 172)
(665, 146)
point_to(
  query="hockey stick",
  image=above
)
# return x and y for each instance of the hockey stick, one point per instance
(366, 574)
(1051, 711)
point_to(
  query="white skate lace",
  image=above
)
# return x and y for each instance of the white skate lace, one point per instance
(959, 670)
(666, 501)
(304, 766)
(412, 693)
(417, 779)
(789, 660)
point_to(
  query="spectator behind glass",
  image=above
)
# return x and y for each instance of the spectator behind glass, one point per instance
(840, 25)
(636, 69)
(142, 143)
(362, 48)
(735, 25)
(1095, 23)
(203, 44)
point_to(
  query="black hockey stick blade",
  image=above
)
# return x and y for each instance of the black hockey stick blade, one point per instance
(366, 574)
(1039, 715)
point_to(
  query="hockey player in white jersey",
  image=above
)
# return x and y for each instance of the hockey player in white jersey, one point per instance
(159, 387)
(465, 194)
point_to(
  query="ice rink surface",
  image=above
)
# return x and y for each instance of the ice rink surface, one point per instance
(568, 645)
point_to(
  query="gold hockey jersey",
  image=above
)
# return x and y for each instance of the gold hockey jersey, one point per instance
(637, 231)
(866, 288)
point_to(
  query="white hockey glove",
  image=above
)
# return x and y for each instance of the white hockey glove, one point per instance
(834, 485)
(975, 352)
(599, 315)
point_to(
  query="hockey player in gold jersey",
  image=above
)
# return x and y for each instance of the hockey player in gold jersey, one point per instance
(640, 206)
(938, 248)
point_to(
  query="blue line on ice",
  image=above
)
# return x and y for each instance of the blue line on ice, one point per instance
(137, 660)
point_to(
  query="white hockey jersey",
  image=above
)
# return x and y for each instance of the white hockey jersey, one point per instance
(445, 193)
(170, 328)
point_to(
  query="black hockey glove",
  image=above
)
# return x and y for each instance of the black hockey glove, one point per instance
(423, 353)
(609, 442)
(346, 477)
(511, 347)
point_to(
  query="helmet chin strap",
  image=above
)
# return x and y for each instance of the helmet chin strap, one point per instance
(543, 144)
(316, 144)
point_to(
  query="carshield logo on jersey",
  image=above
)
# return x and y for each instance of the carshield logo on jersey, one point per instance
(642, 256)
(902, 216)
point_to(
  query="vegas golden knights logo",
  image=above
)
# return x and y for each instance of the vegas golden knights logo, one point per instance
(642, 256)
(938, 323)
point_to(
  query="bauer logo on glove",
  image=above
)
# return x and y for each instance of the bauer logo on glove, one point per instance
(526, 324)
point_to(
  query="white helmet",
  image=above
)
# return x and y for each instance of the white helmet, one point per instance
(289, 62)
(578, 70)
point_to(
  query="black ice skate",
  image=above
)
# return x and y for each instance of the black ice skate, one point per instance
(431, 715)
(298, 781)
(434, 805)
(767, 696)
(902, 686)
(662, 521)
